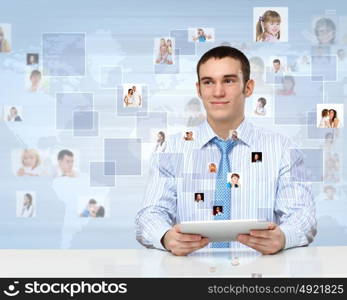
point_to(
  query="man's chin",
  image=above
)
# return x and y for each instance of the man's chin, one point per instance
(221, 118)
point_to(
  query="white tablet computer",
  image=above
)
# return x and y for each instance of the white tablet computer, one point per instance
(222, 230)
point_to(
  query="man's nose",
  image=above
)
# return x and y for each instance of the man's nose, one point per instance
(219, 90)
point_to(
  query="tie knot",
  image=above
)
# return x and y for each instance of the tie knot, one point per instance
(224, 146)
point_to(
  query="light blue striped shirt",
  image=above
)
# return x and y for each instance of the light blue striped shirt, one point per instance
(273, 189)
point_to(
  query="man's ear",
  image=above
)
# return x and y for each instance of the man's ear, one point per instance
(197, 84)
(249, 87)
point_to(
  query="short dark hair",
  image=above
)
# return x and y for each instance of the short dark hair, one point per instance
(226, 51)
(262, 100)
(64, 152)
(276, 61)
(92, 201)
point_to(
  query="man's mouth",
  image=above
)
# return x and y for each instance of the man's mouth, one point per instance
(219, 102)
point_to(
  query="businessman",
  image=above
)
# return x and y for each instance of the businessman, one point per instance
(274, 190)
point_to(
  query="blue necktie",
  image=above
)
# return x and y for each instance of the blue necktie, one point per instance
(223, 194)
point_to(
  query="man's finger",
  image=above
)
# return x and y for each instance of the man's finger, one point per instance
(256, 246)
(183, 237)
(247, 240)
(260, 248)
(177, 228)
(191, 245)
(266, 234)
(185, 251)
(272, 226)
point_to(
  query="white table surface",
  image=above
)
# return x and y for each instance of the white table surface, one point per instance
(297, 262)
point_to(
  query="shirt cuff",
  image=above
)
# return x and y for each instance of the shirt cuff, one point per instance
(159, 233)
(292, 236)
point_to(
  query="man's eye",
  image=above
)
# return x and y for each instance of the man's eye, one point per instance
(207, 82)
(229, 81)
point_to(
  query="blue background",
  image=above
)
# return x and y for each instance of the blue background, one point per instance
(121, 34)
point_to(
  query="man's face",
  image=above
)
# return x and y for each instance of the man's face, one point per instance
(256, 156)
(276, 66)
(234, 135)
(234, 179)
(325, 34)
(92, 208)
(222, 90)
(35, 79)
(66, 164)
(134, 89)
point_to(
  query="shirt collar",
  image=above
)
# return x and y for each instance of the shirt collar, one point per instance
(205, 133)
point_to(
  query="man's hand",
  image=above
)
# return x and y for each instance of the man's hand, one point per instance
(182, 243)
(268, 241)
